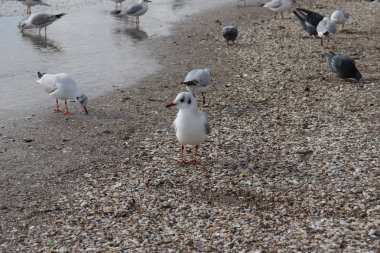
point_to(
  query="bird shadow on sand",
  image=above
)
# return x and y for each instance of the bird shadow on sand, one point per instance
(41, 42)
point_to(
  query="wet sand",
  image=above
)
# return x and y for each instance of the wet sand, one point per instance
(292, 162)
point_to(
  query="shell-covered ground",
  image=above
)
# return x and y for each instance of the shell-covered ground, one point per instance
(292, 163)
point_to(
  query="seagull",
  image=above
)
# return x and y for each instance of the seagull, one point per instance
(39, 20)
(191, 125)
(230, 33)
(118, 2)
(326, 28)
(62, 87)
(30, 3)
(342, 66)
(198, 80)
(136, 10)
(339, 17)
(309, 20)
(279, 6)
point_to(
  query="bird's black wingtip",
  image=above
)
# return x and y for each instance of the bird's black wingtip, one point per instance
(39, 74)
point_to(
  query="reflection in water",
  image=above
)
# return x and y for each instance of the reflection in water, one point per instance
(178, 4)
(42, 42)
(135, 33)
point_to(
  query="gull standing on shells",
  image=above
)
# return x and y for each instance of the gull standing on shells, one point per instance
(230, 33)
(198, 81)
(39, 20)
(191, 125)
(326, 28)
(342, 66)
(309, 20)
(30, 3)
(62, 87)
(136, 10)
(279, 6)
(339, 17)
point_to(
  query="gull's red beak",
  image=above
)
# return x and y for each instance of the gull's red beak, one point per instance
(85, 110)
(170, 105)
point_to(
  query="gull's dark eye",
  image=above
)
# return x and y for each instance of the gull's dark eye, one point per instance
(77, 98)
(189, 102)
(182, 100)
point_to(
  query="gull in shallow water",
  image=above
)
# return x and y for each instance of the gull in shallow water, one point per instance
(198, 81)
(39, 20)
(118, 2)
(279, 6)
(136, 10)
(30, 3)
(325, 29)
(62, 87)
(230, 33)
(191, 125)
(339, 17)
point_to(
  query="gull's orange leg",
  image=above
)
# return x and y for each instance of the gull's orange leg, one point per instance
(67, 109)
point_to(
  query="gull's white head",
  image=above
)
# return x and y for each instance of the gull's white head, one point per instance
(184, 100)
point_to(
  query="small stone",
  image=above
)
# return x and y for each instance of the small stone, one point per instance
(27, 140)
(3, 207)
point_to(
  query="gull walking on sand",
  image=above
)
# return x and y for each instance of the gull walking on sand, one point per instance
(39, 20)
(230, 33)
(279, 6)
(62, 87)
(342, 66)
(30, 3)
(198, 81)
(326, 28)
(309, 20)
(191, 125)
(339, 17)
(136, 10)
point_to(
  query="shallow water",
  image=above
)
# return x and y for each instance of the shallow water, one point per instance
(93, 45)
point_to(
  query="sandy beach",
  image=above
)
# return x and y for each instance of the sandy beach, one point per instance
(291, 165)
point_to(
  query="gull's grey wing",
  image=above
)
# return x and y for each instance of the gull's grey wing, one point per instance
(199, 77)
(42, 18)
(206, 123)
(133, 9)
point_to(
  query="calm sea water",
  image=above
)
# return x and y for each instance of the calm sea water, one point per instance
(92, 44)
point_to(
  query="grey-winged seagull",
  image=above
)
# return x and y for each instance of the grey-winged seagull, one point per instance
(198, 81)
(326, 29)
(339, 17)
(136, 10)
(30, 3)
(39, 20)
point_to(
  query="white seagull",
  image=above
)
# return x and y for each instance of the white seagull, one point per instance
(325, 29)
(118, 2)
(339, 17)
(191, 125)
(62, 87)
(136, 10)
(39, 20)
(30, 3)
(198, 81)
(279, 6)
